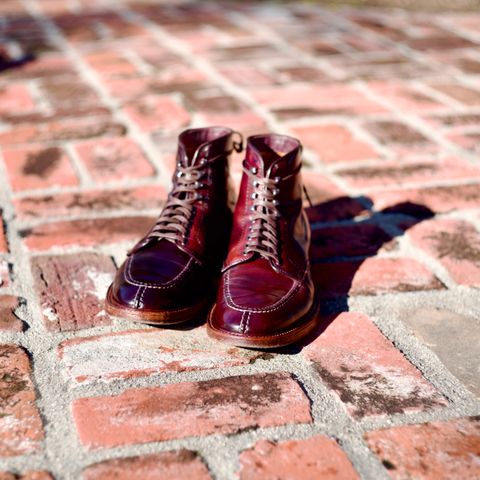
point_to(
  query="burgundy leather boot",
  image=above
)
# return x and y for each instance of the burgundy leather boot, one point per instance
(266, 296)
(170, 275)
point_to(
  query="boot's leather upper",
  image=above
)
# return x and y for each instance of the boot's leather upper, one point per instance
(174, 265)
(266, 286)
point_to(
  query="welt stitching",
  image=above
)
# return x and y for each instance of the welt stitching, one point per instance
(275, 306)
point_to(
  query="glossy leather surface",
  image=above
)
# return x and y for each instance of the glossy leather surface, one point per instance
(260, 296)
(163, 275)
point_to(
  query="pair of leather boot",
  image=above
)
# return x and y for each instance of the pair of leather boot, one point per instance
(255, 260)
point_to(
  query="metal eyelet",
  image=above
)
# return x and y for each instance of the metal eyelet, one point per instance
(277, 179)
(254, 170)
(256, 183)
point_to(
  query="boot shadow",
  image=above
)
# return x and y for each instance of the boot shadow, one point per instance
(346, 231)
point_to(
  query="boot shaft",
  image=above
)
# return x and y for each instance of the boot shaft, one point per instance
(269, 220)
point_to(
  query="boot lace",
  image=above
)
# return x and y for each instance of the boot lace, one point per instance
(175, 218)
(263, 233)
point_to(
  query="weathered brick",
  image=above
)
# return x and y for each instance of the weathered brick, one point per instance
(15, 98)
(430, 451)
(444, 41)
(72, 289)
(21, 430)
(226, 405)
(145, 352)
(405, 97)
(307, 100)
(8, 320)
(316, 457)
(468, 140)
(455, 243)
(158, 112)
(85, 232)
(114, 159)
(368, 374)
(372, 276)
(90, 201)
(459, 92)
(395, 132)
(437, 199)
(418, 172)
(165, 465)
(334, 143)
(64, 93)
(39, 167)
(28, 475)
(68, 129)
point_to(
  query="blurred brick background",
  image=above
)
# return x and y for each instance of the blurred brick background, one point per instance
(387, 103)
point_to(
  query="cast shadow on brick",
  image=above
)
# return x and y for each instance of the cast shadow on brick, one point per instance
(346, 232)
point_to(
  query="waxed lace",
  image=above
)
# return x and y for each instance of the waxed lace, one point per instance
(263, 236)
(175, 218)
(263, 231)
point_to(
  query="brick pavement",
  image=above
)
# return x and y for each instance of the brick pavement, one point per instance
(388, 107)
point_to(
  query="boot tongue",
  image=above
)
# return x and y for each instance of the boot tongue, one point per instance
(272, 161)
(193, 142)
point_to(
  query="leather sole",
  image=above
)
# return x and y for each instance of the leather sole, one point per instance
(306, 324)
(155, 317)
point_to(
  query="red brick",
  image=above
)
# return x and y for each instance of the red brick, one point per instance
(156, 112)
(463, 94)
(111, 64)
(29, 475)
(468, 140)
(68, 129)
(21, 430)
(305, 100)
(39, 167)
(165, 465)
(405, 97)
(372, 276)
(417, 172)
(316, 457)
(145, 352)
(247, 75)
(368, 374)
(395, 132)
(223, 406)
(456, 245)
(72, 288)
(437, 199)
(8, 320)
(334, 143)
(44, 66)
(86, 232)
(90, 201)
(15, 98)
(348, 241)
(64, 93)
(114, 159)
(431, 451)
